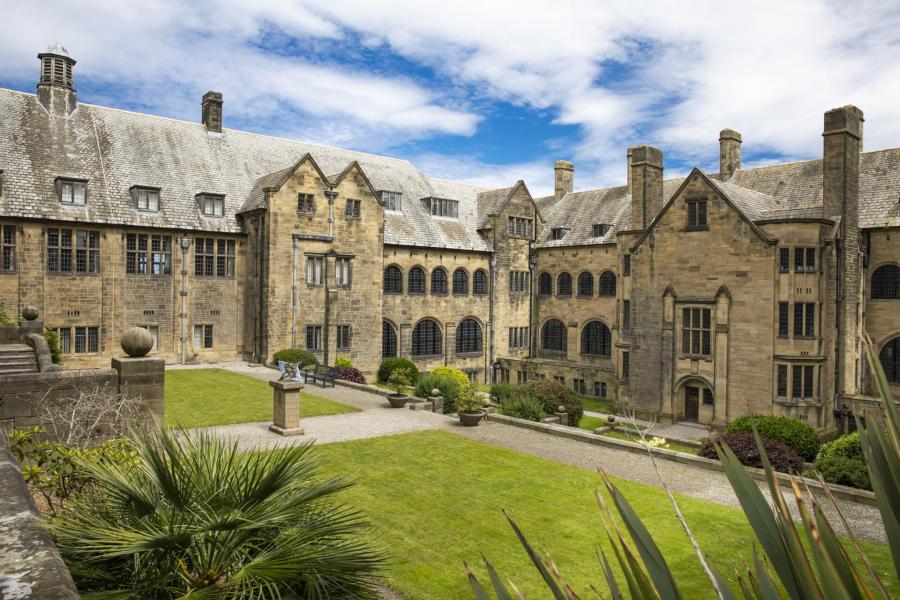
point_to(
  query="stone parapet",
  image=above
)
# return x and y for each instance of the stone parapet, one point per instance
(143, 377)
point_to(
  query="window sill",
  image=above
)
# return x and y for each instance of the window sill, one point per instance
(415, 293)
(697, 228)
(72, 274)
(584, 296)
(425, 356)
(387, 293)
(591, 355)
(470, 354)
(461, 294)
(704, 357)
(564, 296)
(804, 337)
(439, 294)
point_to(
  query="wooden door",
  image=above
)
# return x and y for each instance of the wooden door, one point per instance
(691, 403)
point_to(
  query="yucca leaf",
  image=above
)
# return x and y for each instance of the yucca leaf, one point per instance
(611, 583)
(499, 588)
(644, 585)
(724, 587)
(479, 591)
(554, 588)
(766, 587)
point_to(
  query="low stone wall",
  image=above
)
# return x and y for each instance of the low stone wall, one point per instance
(30, 565)
(21, 394)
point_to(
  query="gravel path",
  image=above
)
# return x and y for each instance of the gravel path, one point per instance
(378, 419)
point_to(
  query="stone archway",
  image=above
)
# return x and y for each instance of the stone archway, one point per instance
(695, 401)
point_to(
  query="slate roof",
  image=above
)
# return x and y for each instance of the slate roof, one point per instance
(777, 192)
(115, 150)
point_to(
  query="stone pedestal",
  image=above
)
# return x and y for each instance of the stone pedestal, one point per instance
(143, 377)
(437, 404)
(286, 408)
(563, 417)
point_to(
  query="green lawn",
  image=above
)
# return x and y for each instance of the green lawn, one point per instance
(436, 497)
(591, 423)
(202, 397)
(621, 435)
(596, 404)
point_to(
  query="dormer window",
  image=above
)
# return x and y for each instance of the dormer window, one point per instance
(392, 200)
(305, 203)
(442, 207)
(601, 229)
(558, 233)
(212, 205)
(72, 191)
(697, 215)
(145, 198)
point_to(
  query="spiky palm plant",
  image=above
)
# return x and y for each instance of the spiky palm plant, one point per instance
(200, 519)
(824, 571)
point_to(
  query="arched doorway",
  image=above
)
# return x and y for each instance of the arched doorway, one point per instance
(695, 401)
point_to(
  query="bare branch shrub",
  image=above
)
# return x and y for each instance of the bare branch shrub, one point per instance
(90, 414)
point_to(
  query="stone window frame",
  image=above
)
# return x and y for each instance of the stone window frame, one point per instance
(392, 201)
(626, 315)
(156, 253)
(784, 320)
(353, 209)
(137, 190)
(805, 259)
(217, 201)
(626, 365)
(782, 377)
(583, 285)
(69, 336)
(697, 214)
(595, 341)
(520, 227)
(314, 334)
(519, 282)
(803, 382)
(433, 335)
(469, 337)
(600, 389)
(390, 345)
(313, 277)
(60, 184)
(343, 276)
(885, 282)
(542, 278)
(442, 207)
(549, 338)
(388, 284)
(460, 282)
(626, 265)
(413, 285)
(442, 281)
(87, 253)
(306, 203)
(564, 291)
(603, 286)
(599, 230)
(890, 351)
(8, 240)
(207, 333)
(579, 386)
(215, 257)
(701, 333)
(480, 282)
(518, 338)
(343, 337)
(784, 260)
(804, 320)
(558, 233)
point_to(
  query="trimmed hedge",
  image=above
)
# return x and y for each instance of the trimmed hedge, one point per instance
(843, 471)
(343, 361)
(524, 405)
(553, 395)
(461, 378)
(502, 391)
(296, 355)
(448, 386)
(52, 337)
(743, 444)
(795, 434)
(846, 446)
(349, 374)
(391, 364)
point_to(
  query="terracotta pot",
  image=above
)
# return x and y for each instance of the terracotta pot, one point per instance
(471, 419)
(397, 400)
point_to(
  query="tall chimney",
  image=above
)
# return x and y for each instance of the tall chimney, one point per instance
(646, 185)
(729, 153)
(564, 178)
(628, 157)
(842, 140)
(54, 89)
(212, 111)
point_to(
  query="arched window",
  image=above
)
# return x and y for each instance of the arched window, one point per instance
(416, 280)
(479, 283)
(393, 280)
(460, 282)
(564, 284)
(468, 336)
(545, 285)
(553, 336)
(426, 339)
(388, 340)
(608, 284)
(586, 284)
(890, 360)
(439, 281)
(596, 339)
(886, 283)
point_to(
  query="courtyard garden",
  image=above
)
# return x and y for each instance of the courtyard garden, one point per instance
(205, 397)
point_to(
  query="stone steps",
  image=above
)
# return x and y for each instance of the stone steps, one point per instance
(16, 359)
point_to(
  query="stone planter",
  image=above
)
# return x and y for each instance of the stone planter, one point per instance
(398, 400)
(471, 419)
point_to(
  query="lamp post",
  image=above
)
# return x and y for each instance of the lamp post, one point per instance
(495, 369)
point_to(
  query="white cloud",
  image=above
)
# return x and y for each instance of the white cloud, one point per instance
(668, 74)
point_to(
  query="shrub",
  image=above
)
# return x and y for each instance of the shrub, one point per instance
(399, 381)
(795, 434)
(296, 355)
(524, 405)
(392, 364)
(553, 395)
(349, 374)
(843, 471)
(448, 386)
(846, 446)
(461, 378)
(199, 517)
(468, 401)
(343, 361)
(743, 444)
(4, 318)
(52, 337)
(502, 391)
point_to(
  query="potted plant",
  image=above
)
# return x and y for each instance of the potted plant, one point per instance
(468, 407)
(399, 382)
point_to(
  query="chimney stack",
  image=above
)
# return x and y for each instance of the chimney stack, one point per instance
(628, 157)
(729, 153)
(54, 89)
(211, 109)
(646, 185)
(564, 178)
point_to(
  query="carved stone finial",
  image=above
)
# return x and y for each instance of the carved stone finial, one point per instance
(137, 342)
(30, 313)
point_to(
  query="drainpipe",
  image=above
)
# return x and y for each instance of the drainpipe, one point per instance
(185, 244)
(492, 321)
(293, 292)
(331, 195)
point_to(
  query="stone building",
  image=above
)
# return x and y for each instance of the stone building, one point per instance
(701, 298)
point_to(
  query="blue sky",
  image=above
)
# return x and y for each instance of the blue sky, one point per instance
(488, 92)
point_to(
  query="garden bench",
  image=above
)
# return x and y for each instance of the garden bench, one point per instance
(321, 373)
(289, 371)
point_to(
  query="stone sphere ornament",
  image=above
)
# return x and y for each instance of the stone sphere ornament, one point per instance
(30, 313)
(137, 342)
(435, 392)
